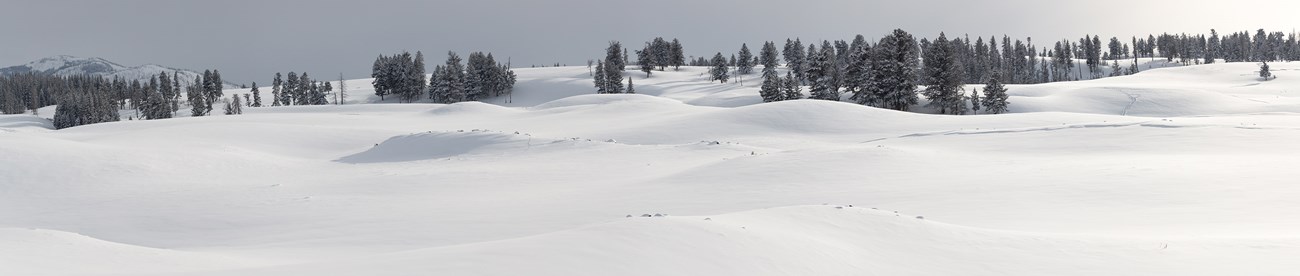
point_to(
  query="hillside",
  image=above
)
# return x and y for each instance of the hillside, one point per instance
(64, 65)
(1173, 171)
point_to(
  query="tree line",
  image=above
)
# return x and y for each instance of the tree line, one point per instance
(481, 77)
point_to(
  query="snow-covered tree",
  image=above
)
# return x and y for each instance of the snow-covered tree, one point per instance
(790, 87)
(719, 70)
(599, 78)
(645, 59)
(995, 95)
(744, 60)
(771, 88)
(944, 78)
(768, 58)
(1264, 73)
(630, 90)
(975, 100)
(676, 54)
(819, 71)
(892, 78)
(794, 58)
(234, 107)
(614, 57)
(257, 97)
(276, 89)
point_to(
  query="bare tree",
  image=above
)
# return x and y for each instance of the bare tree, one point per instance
(342, 95)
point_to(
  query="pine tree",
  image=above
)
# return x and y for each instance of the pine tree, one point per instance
(613, 80)
(676, 54)
(975, 100)
(771, 89)
(257, 96)
(790, 87)
(644, 58)
(995, 95)
(276, 90)
(614, 57)
(944, 78)
(767, 57)
(1264, 72)
(197, 98)
(599, 78)
(291, 89)
(744, 60)
(454, 82)
(719, 70)
(233, 107)
(819, 72)
(891, 80)
(794, 58)
(630, 90)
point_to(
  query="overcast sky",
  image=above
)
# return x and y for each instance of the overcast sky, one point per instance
(250, 40)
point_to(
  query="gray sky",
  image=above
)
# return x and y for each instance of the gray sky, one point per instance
(250, 40)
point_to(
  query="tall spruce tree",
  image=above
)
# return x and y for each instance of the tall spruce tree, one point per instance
(719, 69)
(819, 71)
(678, 57)
(790, 87)
(257, 97)
(744, 60)
(892, 78)
(944, 78)
(599, 78)
(995, 95)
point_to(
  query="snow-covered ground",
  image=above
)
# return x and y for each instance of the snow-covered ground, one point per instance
(1175, 171)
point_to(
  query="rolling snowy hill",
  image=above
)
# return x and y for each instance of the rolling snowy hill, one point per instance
(64, 65)
(1174, 171)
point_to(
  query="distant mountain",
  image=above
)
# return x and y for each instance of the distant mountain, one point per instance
(64, 65)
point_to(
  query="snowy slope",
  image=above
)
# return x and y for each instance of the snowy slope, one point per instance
(64, 65)
(544, 185)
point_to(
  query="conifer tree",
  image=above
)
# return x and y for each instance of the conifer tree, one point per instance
(676, 54)
(276, 90)
(644, 58)
(767, 57)
(892, 81)
(599, 78)
(975, 100)
(819, 73)
(613, 80)
(196, 96)
(790, 87)
(771, 88)
(614, 57)
(630, 90)
(744, 60)
(995, 95)
(257, 96)
(719, 70)
(944, 78)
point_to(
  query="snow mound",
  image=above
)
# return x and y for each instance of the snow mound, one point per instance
(435, 145)
(39, 251)
(606, 99)
(17, 123)
(477, 108)
(811, 240)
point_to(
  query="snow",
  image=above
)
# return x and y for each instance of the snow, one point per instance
(1191, 178)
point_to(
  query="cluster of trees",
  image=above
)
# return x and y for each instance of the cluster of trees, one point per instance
(294, 89)
(659, 53)
(204, 91)
(479, 78)
(608, 77)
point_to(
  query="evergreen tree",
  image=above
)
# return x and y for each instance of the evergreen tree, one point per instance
(614, 57)
(599, 78)
(613, 80)
(891, 80)
(197, 98)
(944, 78)
(790, 87)
(995, 95)
(291, 89)
(630, 90)
(453, 80)
(645, 58)
(771, 89)
(719, 70)
(676, 54)
(744, 60)
(794, 58)
(767, 57)
(276, 90)
(975, 100)
(257, 96)
(233, 107)
(1264, 73)
(819, 72)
